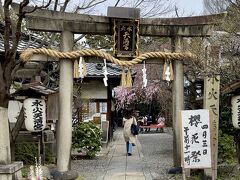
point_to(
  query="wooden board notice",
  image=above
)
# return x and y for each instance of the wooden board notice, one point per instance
(195, 139)
(104, 128)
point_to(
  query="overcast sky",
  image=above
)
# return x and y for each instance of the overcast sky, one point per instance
(185, 7)
(190, 6)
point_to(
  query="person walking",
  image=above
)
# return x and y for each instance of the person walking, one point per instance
(129, 138)
(161, 123)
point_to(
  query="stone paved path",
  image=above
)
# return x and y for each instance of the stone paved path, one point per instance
(115, 165)
(122, 167)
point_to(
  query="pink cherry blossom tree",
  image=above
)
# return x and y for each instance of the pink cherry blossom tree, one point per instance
(157, 91)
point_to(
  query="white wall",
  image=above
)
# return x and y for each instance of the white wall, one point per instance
(95, 89)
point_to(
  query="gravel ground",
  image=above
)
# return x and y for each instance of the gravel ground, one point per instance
(91, 169)
(157, 158)
(157, 149)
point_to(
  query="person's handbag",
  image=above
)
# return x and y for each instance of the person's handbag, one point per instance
(134, 129)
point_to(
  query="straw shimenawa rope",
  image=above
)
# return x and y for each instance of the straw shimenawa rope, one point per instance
(27, 54)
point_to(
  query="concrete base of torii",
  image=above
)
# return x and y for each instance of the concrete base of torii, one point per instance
(8, 170)
(68, 175)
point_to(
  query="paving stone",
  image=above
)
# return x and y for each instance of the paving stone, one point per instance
(151, 159)
(135, 177)
(115, 177)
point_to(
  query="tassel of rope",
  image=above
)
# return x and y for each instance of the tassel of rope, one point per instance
(123, 78)
(171, 71)
(166, 64)
(164, 70)
(75, 69)
(129, 78)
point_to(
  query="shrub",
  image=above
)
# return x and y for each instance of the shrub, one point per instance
(226, 148)
(27, 151)
(87, 138)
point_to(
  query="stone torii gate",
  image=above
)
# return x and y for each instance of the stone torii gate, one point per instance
(68, 23)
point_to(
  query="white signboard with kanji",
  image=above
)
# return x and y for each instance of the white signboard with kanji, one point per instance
(236, 111)
(195, 139)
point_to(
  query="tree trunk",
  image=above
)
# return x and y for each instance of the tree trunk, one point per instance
(3, 89)
(12, 146)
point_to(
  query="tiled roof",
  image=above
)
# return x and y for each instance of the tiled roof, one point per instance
(96, 70)
(37, 87)
(21, 46)
(229, 88)
(27, 41)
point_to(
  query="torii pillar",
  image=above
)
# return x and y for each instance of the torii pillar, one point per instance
(64, 129)
(177, 100)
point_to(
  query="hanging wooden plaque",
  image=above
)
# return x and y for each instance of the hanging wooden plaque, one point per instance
(126, 38)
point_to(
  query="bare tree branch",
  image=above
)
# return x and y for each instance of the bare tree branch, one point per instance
(65, 5)
(79, 38)
(116, 4)
(176, 11)
(1, 9)
(89, 5)
(138, 3)
(55, 5)
(18, 125)
(215, 6)
(7, 29)
(21, 14)
(153, 8)
(37, 7)
(17, 34)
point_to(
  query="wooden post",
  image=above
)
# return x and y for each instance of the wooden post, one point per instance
(183, 174)
(177, 101)
(211, 102)
(64, 129)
